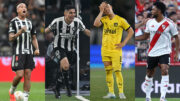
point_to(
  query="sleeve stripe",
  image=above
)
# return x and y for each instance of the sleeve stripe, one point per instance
(11, 32)
(128, 28)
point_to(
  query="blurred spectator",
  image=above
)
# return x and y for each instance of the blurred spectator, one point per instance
(171, 8)
(140, 6)
(173, 16)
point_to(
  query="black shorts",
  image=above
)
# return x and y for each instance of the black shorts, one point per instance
(22, 61)
(152, 62)
(60, 53)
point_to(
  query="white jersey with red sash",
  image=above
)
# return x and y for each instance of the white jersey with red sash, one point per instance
(160, 36)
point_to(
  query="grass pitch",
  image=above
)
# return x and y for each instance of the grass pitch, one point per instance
(37, 92)
(63, 98)
(99, 88)
(157, 99)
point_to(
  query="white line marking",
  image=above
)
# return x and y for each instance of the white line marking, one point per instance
(82, 98)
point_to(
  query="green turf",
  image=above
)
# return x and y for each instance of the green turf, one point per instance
(63, 98)
(99, 88)
(36, 93)
(157, 99)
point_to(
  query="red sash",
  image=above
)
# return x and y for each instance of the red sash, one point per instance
(158, 34)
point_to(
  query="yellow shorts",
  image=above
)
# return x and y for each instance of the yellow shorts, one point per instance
(116, 62)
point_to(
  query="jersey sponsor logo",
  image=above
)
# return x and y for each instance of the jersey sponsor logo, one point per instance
(67, 35)
(158, 32)
(152, 26)
(109, 31)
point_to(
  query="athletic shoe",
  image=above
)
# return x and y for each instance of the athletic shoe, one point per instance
(109, 96)
(57, 93)
(122, 96)
(148, 99)
(69, 93)
(163, 99)
(12, 97)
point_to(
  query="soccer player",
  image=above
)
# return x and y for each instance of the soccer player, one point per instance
(23, 35)
(160, 30)
(66, 29)
(111, 51)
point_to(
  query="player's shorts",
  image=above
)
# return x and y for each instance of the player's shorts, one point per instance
(22, 61)
(153, 62)
(60, 53)
(116, 62)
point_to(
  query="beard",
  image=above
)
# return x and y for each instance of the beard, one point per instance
(155, 16)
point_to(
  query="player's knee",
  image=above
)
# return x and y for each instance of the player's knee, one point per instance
(108, 71)
(108, 68)
(106, 64)
(27, 76)
(20, 75)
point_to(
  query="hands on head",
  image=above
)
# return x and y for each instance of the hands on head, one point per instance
(102, 6)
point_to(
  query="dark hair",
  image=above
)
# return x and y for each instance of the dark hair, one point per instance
(161, 6)
(108, 1)
(68, 7)
(171, 14)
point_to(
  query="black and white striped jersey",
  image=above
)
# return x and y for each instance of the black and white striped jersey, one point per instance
(66, 34)
(23, 43)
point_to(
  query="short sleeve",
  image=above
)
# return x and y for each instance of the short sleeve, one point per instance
(52, 26)
(81, 26)
(146, 27)
(12, 27)
(33, 31)
(125, 24)
(102, 20)
(173, 29)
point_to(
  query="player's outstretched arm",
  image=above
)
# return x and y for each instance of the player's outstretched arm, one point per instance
(145, 36)
(142, 23)
(97, 22)
(13, 36)
(177, 47)
(35, 44)
(87, 32)
(129, 36)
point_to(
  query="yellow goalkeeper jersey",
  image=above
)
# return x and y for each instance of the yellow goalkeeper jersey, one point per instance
(112, 34)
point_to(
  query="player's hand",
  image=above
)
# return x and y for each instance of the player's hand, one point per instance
(23, 29)
(101, 7)
(176, 57)
(144, 21)
(120, 45)
(36, 52)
